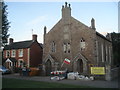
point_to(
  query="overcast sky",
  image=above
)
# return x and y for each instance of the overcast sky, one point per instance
(25, 16)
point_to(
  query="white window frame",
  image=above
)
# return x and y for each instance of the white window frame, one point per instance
(13, 53)
(7, 51)
(20, 52)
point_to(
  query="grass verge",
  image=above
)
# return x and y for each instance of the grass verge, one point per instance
(17, 83)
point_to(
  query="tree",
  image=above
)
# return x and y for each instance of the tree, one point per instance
(5, 23)
(116, 47)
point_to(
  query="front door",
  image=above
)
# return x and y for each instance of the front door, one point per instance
(7, 65)
(80, 66)
(48, 67)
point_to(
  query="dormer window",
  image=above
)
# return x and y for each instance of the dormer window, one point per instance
(82, 44)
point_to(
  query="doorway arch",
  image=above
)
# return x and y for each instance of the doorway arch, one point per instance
(48, 67)
(80, 65)
(8, 63)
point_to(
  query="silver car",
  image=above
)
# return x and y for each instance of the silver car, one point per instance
(4, 70)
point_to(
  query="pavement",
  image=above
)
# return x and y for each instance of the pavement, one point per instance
(95, 83)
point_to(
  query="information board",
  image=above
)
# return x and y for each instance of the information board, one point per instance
(98, 70)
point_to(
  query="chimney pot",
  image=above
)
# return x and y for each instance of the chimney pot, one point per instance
(34, 37)
(65, 4)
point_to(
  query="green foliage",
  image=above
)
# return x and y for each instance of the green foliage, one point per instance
(5, 23)
(116, 47)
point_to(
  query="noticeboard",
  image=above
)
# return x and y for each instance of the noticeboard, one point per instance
(98, 70)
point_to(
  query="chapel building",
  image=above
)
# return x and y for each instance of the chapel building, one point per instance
(81, 44)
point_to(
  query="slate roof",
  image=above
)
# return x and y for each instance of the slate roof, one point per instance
(97, 33)
(13, 59)
(19, 45)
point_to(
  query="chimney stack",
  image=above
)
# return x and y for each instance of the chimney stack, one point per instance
(10, 40)
(34, 37)
(93, 24)
(45, 29)
(66, 13)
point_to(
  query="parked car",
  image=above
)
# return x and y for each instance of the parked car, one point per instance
(4, 70)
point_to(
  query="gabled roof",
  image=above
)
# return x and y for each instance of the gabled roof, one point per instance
(97, 33)
(11, 59)
(19, 45)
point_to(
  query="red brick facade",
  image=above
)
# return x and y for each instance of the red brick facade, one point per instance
(30, 56)
(17, 57)
(35, 55)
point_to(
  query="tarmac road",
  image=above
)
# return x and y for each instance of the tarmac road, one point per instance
(95, 83)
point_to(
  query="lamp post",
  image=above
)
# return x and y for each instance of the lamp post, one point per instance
(1, 49)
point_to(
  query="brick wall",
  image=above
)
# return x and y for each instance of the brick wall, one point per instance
(35, 55)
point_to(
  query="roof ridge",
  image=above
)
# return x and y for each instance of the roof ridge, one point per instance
(80, 22)
(19, 45)
(23, 41)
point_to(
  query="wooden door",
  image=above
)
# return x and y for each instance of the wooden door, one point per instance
(80, 66)
(48, 67)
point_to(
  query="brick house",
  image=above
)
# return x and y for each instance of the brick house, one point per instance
(82, 45)
(18, 54)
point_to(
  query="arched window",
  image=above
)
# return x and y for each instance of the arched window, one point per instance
(53, 47)
(48, 67)
(110, 50)
(82, 44)
(66, 47)
(102, 52)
